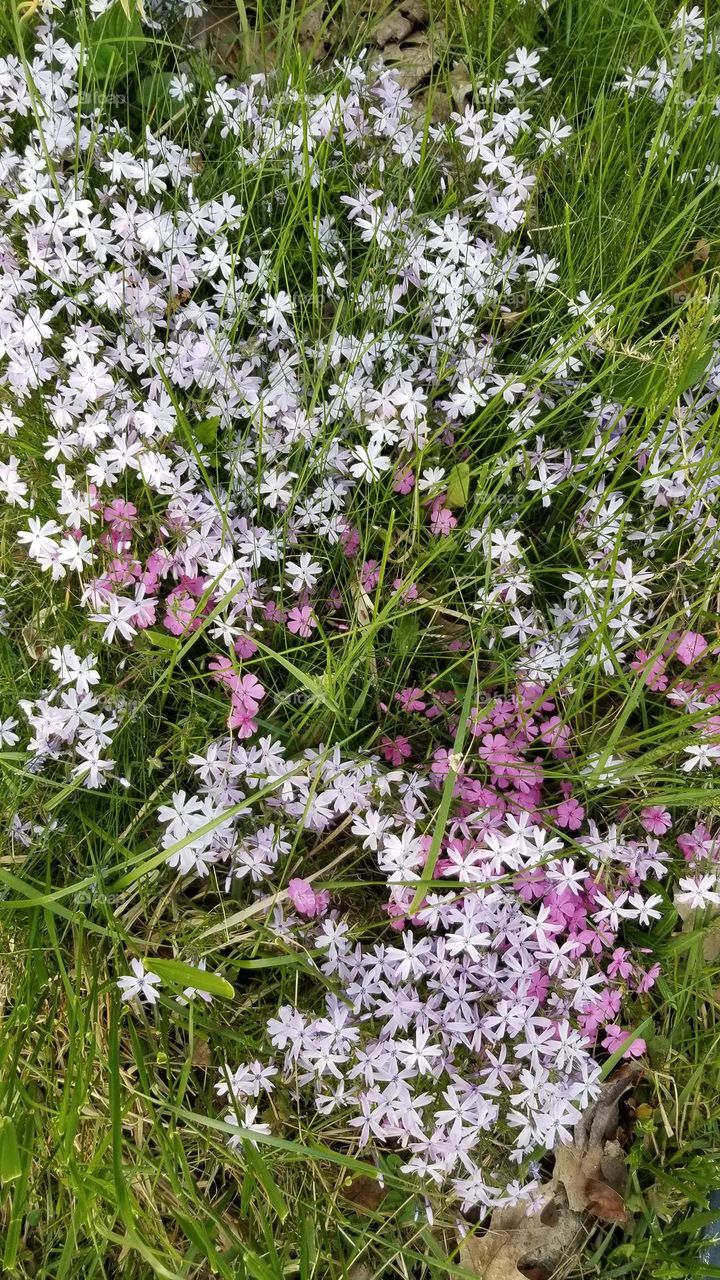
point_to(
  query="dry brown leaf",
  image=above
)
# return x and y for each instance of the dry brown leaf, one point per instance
(682, 281)
(461, 85)
(586, 1186)
(365, 1192)
(436, 101)
(393, 28)
(514, 1238)
(398, 24)
(711, 942)
(414, 57)
(363, 603)
(417, 10)
(604, 1202)
(32, 634)
(573, 1170)
(202, 1054)
(312, 35)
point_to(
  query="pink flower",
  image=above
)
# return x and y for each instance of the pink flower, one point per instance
(121, 571)
(656, 820)
(653, 670)
(273, 613)
(556, 735)
(698, 844)
(404, 481)
(242, 719)
(396, 913)
(614, 1036)
(442, 521)
(248, 692)
(300, 621)
(408, 593)
(531, 694)
(195, 586)
(180, 616)
(569, 814)
(411, 699)
(370, 575)
(112, 539)
(395, 750)
(145, 613)
(648, 980)
(496, 750)
(121, 515)
(306, 900)
(692, 646)
(245, 647)
(440, 766)
(224, 670)
(350, 542)
(156, 564)
(620, 965)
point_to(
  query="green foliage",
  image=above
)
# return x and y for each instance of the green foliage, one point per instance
(115, 41)
(187, 975)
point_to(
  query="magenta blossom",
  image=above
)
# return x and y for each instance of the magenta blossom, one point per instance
(370, 575)
(350, 542)
(180, 617)
(273, 613)
(395, 750)
(569, 814)
(411, 699)
(652, 668)
(404, 481)
(442, 521)
(305, 900)
(656, 820)
(248, 692)
(614, 1037)
(121, 515)
(691, 647)
(301, 621)
(245, 647)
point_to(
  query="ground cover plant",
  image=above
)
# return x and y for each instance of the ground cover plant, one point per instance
(359, 730)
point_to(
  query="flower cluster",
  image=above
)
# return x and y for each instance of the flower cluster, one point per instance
(219, 431)
(70, 723)
(508, 966)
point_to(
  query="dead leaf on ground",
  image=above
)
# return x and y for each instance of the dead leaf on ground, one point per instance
(364, 1192)
(587, 1186)
(435, 102)
(414, 58)
(461, 85)
(604, 1202)
(513, 1238)
(711, 942)
(398, 24)
(312, 33)
(202, 1054)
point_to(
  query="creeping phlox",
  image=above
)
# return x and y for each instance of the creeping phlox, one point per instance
(484, 1011)
(215, 440)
